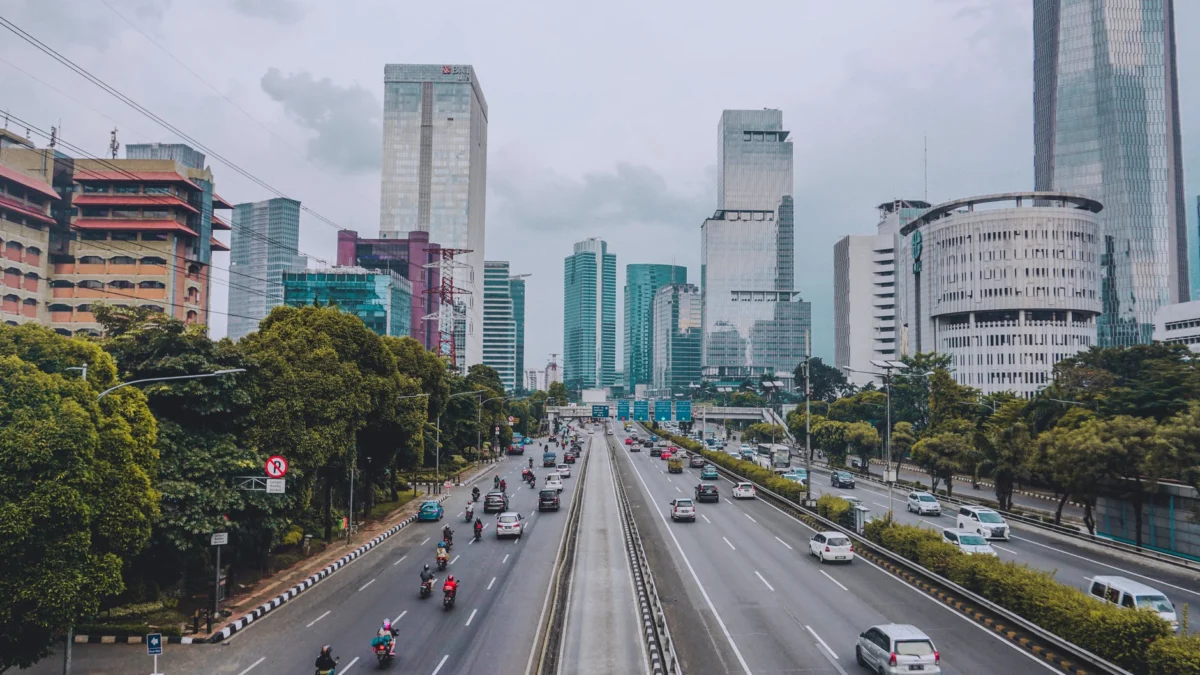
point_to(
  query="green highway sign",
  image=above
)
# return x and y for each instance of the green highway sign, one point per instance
(622, 410)
(599, 411)
(641, 411)
(662, 411)
(683, 411)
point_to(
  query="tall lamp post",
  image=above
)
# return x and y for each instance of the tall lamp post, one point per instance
(888, 368)
(437, 450)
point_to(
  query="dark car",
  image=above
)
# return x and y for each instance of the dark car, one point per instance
(549, 459)
(707, 492)
(841, 479)
(656, 451)
(697, 462)
(569, 458)
(647, 443)
(495, 502)
(548, 500)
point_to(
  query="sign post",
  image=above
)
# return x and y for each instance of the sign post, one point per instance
(277, 466)
(219, 539)
(154, 648)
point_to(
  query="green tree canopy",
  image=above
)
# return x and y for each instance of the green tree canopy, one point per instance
(826, 382)
(1155, 380)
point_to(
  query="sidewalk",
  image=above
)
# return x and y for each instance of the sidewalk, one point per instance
(270, 587)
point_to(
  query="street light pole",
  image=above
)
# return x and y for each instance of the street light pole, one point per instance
(228, 371)
(437, 451)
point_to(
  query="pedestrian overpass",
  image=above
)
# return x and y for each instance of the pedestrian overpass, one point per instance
(704, 413)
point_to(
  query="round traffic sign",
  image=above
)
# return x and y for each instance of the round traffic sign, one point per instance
(277, 466)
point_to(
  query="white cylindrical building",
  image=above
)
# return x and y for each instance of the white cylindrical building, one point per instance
(1007, 284)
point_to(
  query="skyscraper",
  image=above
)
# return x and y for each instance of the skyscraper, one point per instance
(499, 327)
(266, 237)
(411, 257)
(677, 338)
(589, 316)
(381, 298)
(754, 322)
(435, 174)
(642, 281)
(517, 290)
(1106, 125)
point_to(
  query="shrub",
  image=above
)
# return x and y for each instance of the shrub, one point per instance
(138, 629)
(293, 537)
(1174, 656)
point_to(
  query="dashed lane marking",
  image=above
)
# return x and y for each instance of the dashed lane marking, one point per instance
(834, 580)
(310, 625)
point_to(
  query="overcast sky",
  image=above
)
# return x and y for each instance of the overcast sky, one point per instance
(602, 116)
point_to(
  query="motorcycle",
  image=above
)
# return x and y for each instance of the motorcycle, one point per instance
(475, 495)
(470, 514)
(448, 599)
(426, 588)
(331, 671)
(383, 654)
(478, 533)
(441, 564)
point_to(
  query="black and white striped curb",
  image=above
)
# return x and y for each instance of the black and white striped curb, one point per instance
(308, 583)
(130, 639)
(659, 646)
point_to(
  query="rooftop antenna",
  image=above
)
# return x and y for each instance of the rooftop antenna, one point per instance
(927, 167)
(113, 145)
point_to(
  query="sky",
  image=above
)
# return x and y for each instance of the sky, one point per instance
(602, 116)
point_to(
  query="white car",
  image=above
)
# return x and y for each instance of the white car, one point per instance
(745, 447)
(983, 521)
(828, 546)
(563, 470)
(968, 542)
(508, 524)
(744, 491)
(683, 509)
(553, 482)
(922, 503)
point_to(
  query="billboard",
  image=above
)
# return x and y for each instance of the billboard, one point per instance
(641, 410)
(622, 410)
(599, 411)
(662, 411)
(683, 411)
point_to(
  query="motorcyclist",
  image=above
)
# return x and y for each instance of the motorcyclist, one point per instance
(503, 486)
(496, 480)
(531, 462)
(470, 510)
(389, 634)
(451, 586)
(427, 575)
(441, 552)
(475, 493)
(325, 661)
(448, 536)
(478, 527)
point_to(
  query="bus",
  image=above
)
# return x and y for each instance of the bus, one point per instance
(774, 456)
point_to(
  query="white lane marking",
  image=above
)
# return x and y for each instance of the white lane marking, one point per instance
(459, 514)
(469, 618)
(784, 543)
(834, 580)
(1114, 567)
(451, 562)
(678, 490)
(399, 561)
(1006, 550)
(695, 577)
(750, 517)
(490, 583)
(310, 625)
(882, 506)
(818, 637)
(425, 542)
(937, 525)
(760, 578)
(914, 589)
(669, 480)
(347, 668)
(260, 660)
(706, 519)
(365, 585)
(730, 545)
(505, 559)
(397, 619)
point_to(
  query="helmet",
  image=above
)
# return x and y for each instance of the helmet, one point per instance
(441, 544)
(426, 567)
(326, 649)
(450, 578)
(387, 624)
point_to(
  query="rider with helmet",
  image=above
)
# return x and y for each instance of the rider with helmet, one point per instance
(448, 536)
(389, 634)
(478, 527)
(450, 587)
(442, 555)
(325, 661)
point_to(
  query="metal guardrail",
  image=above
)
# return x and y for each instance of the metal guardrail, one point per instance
(1073, 533)
(1074, 651)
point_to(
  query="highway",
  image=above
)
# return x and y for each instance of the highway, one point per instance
(743, 596)
(490, 629)
(603, 632)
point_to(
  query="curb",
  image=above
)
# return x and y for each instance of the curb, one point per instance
(132, 639)
(308, 583)
(986, 484)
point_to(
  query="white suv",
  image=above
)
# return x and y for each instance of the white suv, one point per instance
(922, 503)
(983, 521)
(553, 482)
(893, 648)
(683, 509)
(563, 470)
(968, 542)
(744, 491)
(828, 546)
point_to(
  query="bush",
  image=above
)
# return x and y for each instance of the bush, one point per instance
(293, 537)
(1174, 656)
(834, 508)
(138, 629)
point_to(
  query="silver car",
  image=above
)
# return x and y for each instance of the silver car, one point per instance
(891, 649)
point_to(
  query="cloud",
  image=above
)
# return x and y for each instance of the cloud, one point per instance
(282, 11)
(631, 194)
(344, 119)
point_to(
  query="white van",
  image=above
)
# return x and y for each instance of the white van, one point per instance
(983, 521)
(1133, 595)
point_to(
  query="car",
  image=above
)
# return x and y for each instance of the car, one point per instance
(1131, 594)
(568, 458)
(922, 503)
(854, 501)
(549, 458)
(795, 476)
(495, 502)
(647, 443)
(983, 521)
(827, 546)
(683, 509)
(745, 447)
(653, 437)
(665, 454)
(841, 479)
(548, 500)
(508, 524)
(629, 441)
(891, 649)
(564, 470)
(554, 482)
(697, 461)
(674, 465)
(609, 432)
(656, 451)
(430, 510)
(636, 447)
(967, 542)
(709, 472)
(744, 491)
(707, 492)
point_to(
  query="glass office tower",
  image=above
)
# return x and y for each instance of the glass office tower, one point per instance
(517, 290)
(382, 299)
(754, 322)
(434, 174)
(265, 244)
(589, 316)
(1106, 125)
(677, 339)
(642, 281)
(499, 326)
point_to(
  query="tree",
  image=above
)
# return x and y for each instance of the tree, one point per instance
(902, 440)
(746, 399)
(764, 433)
(865, 406)
(911, 389)
(1060, 461)
(830, 437)
(1182, 435)
(826, 382)
(76, 498)
(1004, 448)
(1153, 380)
(941, 454)
(863, 440)
(1133, 458)
(558, 392)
